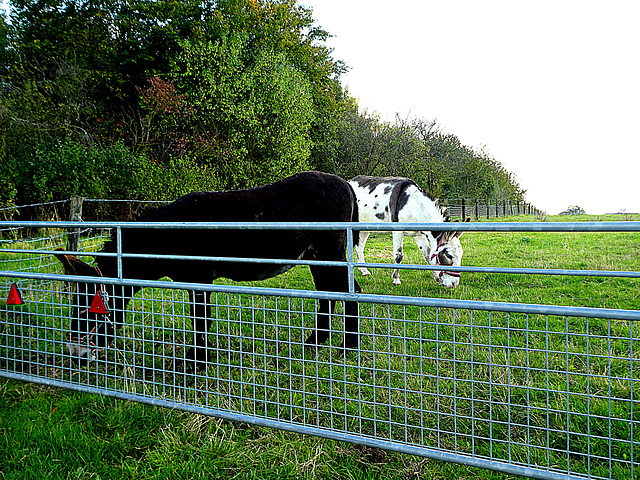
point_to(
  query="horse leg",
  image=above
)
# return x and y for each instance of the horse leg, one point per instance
(198, 354)
(362, 241)
(351, 318)
(397, 255)
(323, 323)
(422, 243)
(334, 279)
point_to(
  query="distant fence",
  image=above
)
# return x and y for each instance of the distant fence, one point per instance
(545, 391)
(98, 209)
(479, 209)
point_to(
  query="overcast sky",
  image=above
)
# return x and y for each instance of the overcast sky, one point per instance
(551, 89)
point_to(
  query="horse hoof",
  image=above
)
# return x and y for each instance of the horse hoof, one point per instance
(397, 282)
(365, 272)
(315, 339)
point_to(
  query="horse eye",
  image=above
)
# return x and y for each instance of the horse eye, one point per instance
(445, 258)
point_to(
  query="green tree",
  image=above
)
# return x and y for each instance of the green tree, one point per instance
(419, 150)
(249, 118)
(574, 210)
(57, 51)
(5, 56)
(118, 43)
(82, 68)
(237, 92)
(358, 138)
(289, 29)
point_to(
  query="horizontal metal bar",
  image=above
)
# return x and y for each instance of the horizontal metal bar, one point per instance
(198, 258)
(273, 261)
(380, 227)
(500, 227)
(506, 270)
(555, 310)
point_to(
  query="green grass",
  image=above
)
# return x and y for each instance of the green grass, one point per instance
(493, 372)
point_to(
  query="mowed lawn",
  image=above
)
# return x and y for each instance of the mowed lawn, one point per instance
(52, 433)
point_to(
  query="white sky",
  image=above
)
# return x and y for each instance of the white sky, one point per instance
(551, 89)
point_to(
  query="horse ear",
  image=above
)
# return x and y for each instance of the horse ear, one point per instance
(74, 266)
(458, 234)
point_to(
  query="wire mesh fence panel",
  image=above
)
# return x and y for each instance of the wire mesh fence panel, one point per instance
(541, 394)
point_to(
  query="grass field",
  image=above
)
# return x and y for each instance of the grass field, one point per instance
(52, 433)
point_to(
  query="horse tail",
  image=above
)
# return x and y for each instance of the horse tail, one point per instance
(355, 215)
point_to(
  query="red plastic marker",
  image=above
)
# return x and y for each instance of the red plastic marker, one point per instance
(14, 297)
(97, 304)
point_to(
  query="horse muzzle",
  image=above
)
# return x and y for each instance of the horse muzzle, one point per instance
(81, 354)
(447, 279)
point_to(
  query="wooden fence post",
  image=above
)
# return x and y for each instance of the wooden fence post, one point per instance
(504, 208)
(75, 215)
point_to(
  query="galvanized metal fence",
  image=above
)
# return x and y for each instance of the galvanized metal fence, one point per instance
(544, 391)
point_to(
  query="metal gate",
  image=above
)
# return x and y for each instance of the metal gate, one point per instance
(538, 390)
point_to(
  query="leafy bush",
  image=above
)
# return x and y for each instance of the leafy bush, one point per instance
(7, 195)
(168, 181)
(57, 170)
(250, 120)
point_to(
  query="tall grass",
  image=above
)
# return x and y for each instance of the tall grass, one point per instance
(473, 382)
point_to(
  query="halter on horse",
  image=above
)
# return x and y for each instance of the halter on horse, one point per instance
(438, 261)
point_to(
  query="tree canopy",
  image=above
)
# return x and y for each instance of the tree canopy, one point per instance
(217, 93)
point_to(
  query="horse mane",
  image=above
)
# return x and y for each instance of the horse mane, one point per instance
(145, 214)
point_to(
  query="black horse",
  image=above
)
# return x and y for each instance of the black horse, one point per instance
(304, 197)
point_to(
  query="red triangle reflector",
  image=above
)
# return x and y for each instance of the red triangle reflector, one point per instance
(14, 297)
(97, 304)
